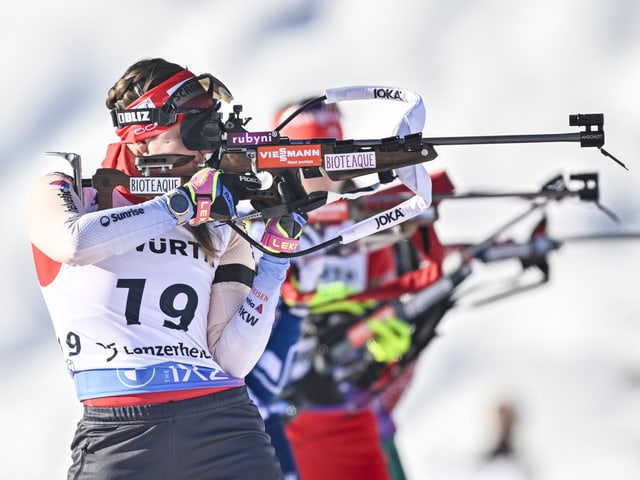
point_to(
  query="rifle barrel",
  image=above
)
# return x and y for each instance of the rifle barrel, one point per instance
(489, 139)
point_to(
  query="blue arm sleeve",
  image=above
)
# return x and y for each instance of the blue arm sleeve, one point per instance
(272, 372)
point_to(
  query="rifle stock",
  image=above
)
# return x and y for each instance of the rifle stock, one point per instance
(374, 156)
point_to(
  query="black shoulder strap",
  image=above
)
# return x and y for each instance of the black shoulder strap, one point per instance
(234, 272)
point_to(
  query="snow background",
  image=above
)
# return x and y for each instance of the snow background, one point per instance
(566, 354)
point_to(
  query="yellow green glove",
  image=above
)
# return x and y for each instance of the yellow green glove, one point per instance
(392, 339)
(328, 292)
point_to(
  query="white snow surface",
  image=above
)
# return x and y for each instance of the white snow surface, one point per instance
(565, 354)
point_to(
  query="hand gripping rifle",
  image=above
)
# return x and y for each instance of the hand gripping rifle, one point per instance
(280, 161)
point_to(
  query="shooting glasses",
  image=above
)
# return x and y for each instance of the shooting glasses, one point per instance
(194, 103)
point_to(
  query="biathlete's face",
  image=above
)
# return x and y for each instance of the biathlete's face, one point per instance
(170, 142)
